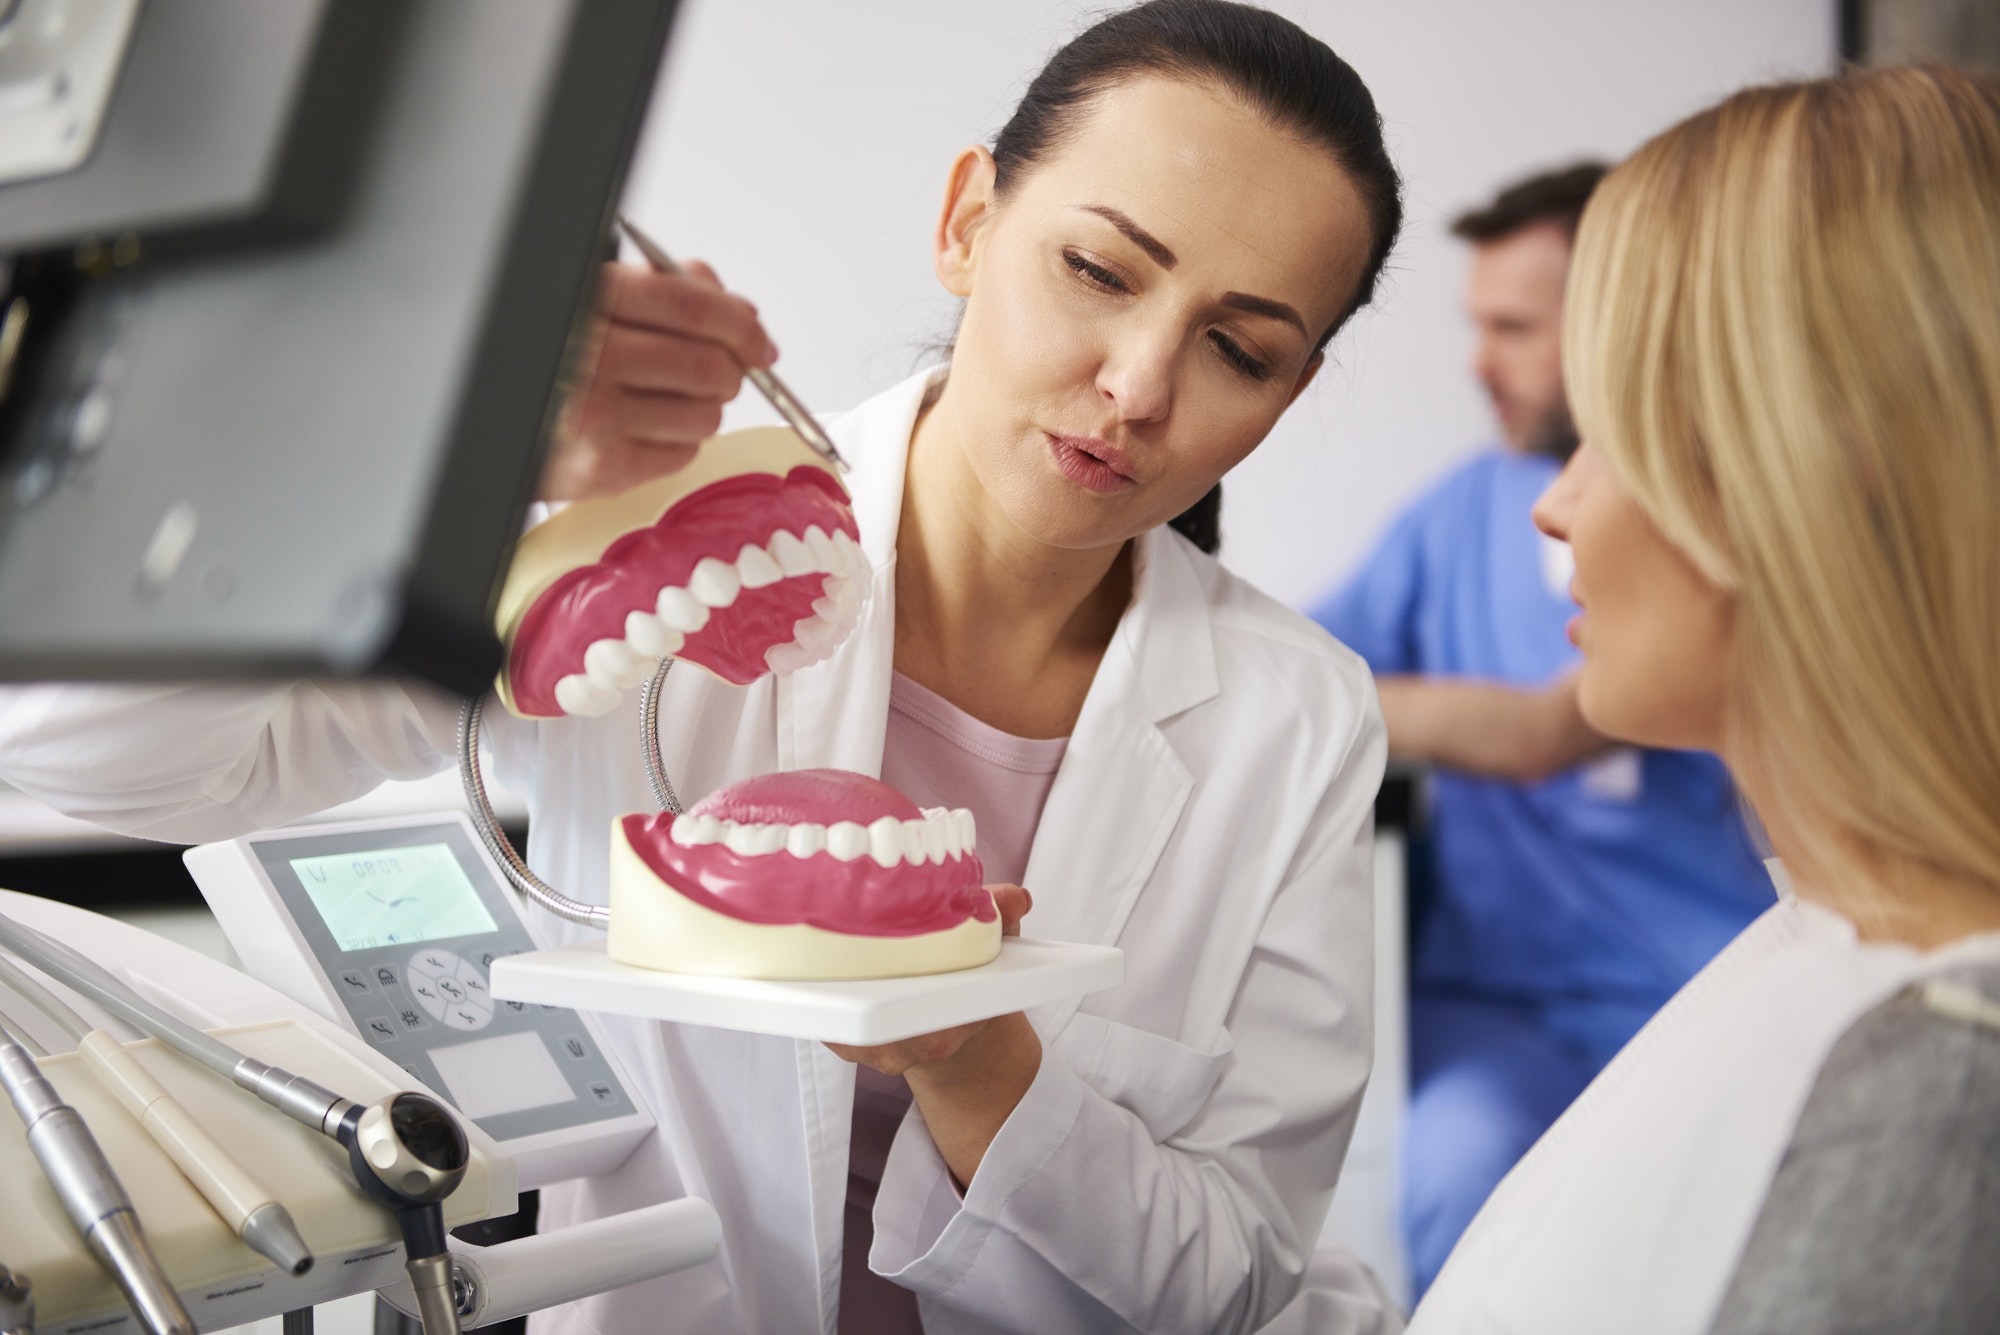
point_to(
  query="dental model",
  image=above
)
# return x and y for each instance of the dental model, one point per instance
(808, 874)
(743, 562)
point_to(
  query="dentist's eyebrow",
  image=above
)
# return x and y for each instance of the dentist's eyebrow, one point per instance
(1276, 310)
(1136, 234)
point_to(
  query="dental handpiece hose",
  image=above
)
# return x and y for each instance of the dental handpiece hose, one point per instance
(250, 1210)
(89, 1191)
(407, 1151)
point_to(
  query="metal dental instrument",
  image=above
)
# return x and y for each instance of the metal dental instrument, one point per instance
(768, 385)
(17, 1303)
(251, 1211)
(406, 1150)
(90, 1192)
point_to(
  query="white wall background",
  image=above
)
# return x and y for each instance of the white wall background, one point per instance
(800, 146)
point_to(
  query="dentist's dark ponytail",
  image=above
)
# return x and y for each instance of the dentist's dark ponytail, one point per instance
(1270, 62)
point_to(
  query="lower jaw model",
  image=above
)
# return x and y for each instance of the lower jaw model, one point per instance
(742, 563)
(809, 874)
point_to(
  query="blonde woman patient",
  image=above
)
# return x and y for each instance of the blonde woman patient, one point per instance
(1783, 348)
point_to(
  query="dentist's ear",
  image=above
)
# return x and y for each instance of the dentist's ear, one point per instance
(968, 202)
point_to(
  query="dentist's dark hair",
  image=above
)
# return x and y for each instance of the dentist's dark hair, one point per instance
(1284, 72)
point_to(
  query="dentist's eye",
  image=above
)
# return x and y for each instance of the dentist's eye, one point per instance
(1233, 353)
(1094, 274)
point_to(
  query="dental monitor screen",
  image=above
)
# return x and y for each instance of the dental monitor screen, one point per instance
(393, 896)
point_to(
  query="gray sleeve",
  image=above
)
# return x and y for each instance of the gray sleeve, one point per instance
(1885, 1212)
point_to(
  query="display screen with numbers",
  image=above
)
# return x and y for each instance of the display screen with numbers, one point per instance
(393, 896)
(405, 920)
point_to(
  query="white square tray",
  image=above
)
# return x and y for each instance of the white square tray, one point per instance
(874, 1010)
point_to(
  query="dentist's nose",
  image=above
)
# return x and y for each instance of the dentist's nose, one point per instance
(1137, 376)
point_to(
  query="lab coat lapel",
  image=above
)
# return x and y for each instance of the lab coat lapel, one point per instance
(1121, 789)
(834, 715)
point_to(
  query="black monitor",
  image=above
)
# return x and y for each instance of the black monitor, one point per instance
(281, 336)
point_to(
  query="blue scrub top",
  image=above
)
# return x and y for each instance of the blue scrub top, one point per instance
(1613, 882)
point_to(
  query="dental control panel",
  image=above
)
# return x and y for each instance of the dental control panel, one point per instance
(390, 928)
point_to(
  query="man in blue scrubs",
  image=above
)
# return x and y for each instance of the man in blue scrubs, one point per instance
(1577, 885)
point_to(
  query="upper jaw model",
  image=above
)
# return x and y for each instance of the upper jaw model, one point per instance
(743, 562)
(807, 874)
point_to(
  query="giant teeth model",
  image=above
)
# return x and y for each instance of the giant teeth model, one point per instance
(808, 874)
(743, 562)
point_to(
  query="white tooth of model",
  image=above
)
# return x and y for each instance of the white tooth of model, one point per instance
(968, 834)
(805, 840)
(578, 695)
(792, 554)
(785, 659)
(680, 610)
(755, 567)
(714, 582)
(846, 840)
(827, 607)
(741, 839)
(649, 635)
(707, 830)
(771, 838)
(821, 547)
(682, 832)
(814, 633)
(885, 841)
(937, 839)
(913, 842)
(853, 561)
(607, 662)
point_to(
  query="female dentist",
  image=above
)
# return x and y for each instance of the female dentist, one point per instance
(1189, 202)
(1783, 348)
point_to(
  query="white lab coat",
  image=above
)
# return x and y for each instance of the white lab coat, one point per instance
(1170, 1166)
(1632, 1211)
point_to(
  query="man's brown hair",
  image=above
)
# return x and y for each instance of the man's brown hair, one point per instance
(1557, 197)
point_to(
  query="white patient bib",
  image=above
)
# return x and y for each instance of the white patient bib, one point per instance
(1630, 1214)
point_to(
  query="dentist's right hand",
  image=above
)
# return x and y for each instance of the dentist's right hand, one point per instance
(664, 353)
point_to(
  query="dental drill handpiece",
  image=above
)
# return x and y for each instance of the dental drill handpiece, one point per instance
(90, 1192)
(407, 1150)
(251, 1210)
(17, 1303)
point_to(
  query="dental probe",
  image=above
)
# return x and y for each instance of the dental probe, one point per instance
(90, 1192)
(17, 1303)
(251, 1211)
(406, 1150)
(772, 388)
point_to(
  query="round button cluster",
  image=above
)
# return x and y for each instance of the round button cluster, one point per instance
(453, 990)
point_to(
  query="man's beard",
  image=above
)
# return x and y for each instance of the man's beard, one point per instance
(1554, 434)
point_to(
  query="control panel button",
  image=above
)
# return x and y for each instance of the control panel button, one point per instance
(427, 995)
(386, 975)
(354, 980)
(468, 1016)
(411, 1020)
(378, 1029)
(602, 1091)
(574, 1047)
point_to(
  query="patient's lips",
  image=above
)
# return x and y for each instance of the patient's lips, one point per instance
(747, 564)
(827, 848)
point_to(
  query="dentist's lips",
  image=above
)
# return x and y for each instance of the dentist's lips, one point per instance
(826, 848)
(1092, 464)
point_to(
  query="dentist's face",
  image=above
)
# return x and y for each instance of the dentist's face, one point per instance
(1141, 306)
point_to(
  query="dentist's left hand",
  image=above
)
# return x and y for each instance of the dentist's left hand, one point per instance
(664, 353)
(967, 1080)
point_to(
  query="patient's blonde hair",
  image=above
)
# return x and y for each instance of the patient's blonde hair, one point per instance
(1783, 332)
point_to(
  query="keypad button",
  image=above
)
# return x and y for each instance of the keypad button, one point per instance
(378, 1029)
(355, 981)
(427, 995)
(411, 1019)
(575, 1047)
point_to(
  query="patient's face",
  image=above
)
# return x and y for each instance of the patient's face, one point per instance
(1141, 308)
(1657, 637)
